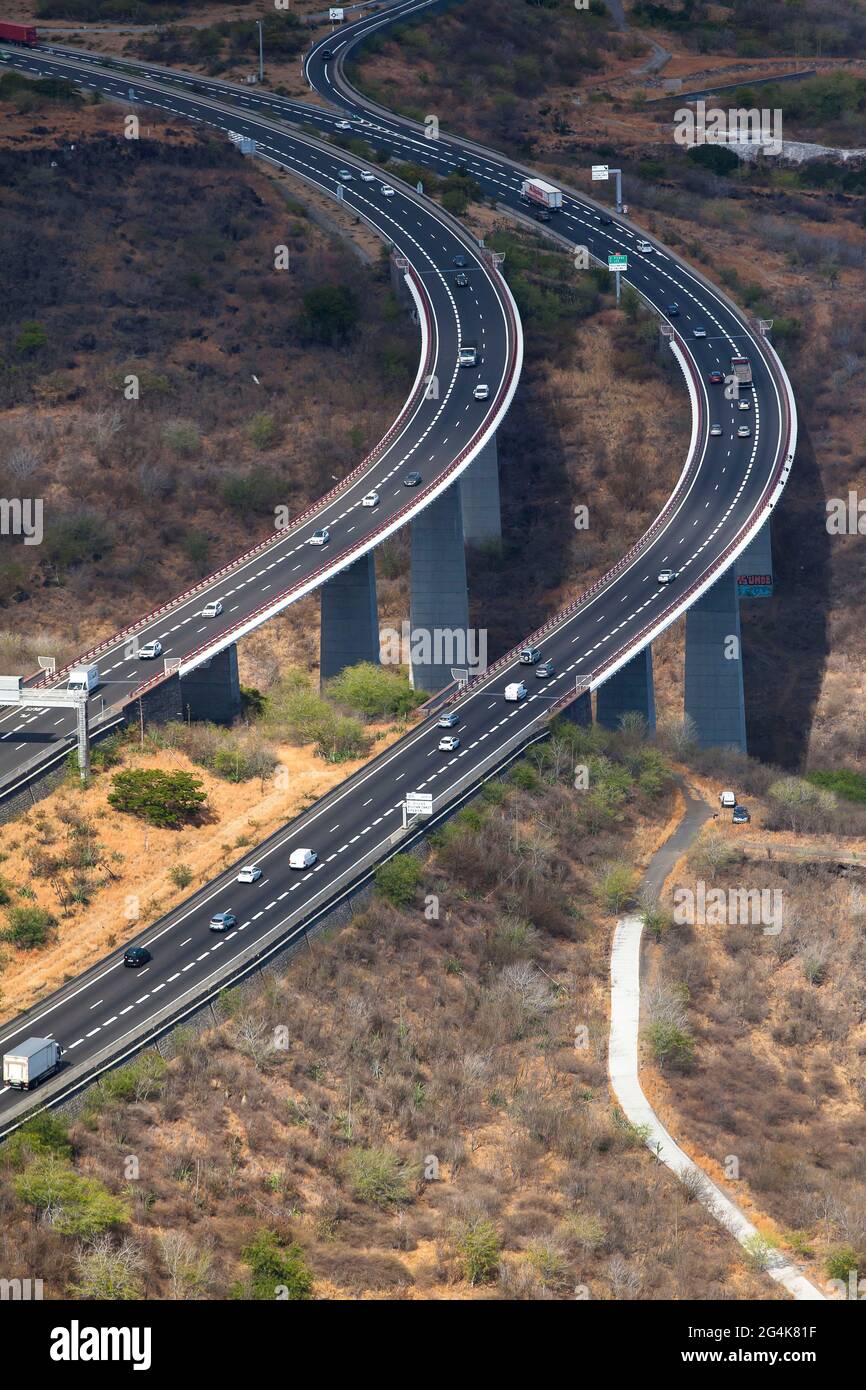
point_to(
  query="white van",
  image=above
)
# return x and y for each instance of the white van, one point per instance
(515, 691)
(302, 858)
(727, 799)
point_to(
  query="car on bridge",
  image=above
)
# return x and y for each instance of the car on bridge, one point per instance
(412, 479)
(673, 310)
(743, 432)
(250, 873)
(644, 247)
(544, 670)
(320, 537)
(150, 650)
(699, 333)
(137, 956)
(447, 721)
(715, 429)
(343, 125)
(716, 378)
(366, 176)
(449, 744)
(516, 691)
(212, 609)
(462, 280)
(345, 175)
(388, 191)
(370, 499)
(481, 392)
(303, 858)
(667, 576)
(223, 921)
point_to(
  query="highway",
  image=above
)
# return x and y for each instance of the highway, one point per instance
(727, 488)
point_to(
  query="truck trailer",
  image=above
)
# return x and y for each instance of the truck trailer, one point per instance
(18, 33)
(741, 368)
(541, 195)
(31, 1062)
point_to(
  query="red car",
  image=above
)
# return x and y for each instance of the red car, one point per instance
(716, 378)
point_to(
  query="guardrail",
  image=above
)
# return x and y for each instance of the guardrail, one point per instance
(283, 936)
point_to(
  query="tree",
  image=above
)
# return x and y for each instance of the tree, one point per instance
(672, 1045)
(616, 886)
(73, 1205)
(108, 1271)
(188, 1267)
(330, 314)
(378, 1176)
(164, 799)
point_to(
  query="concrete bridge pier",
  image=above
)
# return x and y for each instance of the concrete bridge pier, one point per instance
(212, 691)
(439, 605)
(755, 566)
(349, 624)
(629, 691)
(714, 667)
(479, 489)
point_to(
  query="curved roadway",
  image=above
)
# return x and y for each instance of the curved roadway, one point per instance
(727, 489)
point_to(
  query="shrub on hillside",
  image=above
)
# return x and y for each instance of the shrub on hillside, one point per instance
(166, 799)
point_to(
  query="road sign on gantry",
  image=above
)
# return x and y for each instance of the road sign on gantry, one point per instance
(615, 261)
(599, 173)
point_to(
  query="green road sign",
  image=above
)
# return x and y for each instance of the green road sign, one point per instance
(616, 262)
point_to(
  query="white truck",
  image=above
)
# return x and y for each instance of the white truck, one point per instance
(83, 678)
(541, 195)
(31, 1062)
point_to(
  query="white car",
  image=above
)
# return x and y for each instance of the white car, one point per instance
(150, 650)
(387, 190)
(743, 432)
(699, 333)
(644, 247)
(516, 691)
(302, 858)
(320, 537)
(343, 125)
(667, 576)
(715, 429)
(250, 873)
(743, 405)
(481, 392)
(212, 610)
(345, 175)
(449, 743)
(370, 499)
(366, 176)
(447, 721)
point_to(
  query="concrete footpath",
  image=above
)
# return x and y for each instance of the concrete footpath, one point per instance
(623, 1063)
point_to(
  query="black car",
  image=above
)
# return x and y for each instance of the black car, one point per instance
(412, 479)
(327, 54)
(544, 670)
(136, 956)
(673, 310)
(462, 280)
(542, 215)
(460, 262)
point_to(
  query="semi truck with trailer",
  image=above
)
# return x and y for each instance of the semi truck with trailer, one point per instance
(18, 33)
(539, 194)
(30, 1062)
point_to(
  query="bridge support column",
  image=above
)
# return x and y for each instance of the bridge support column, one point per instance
(714, 667)
(349, 618)
(439, 612)
(479, 488)
(212, 691)
(629, 691)
(755, 566)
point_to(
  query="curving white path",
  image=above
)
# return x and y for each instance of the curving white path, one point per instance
(625, 1082)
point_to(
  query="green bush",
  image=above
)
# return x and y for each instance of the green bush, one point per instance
(46, 1133)
(180, 875)
(479, 1249)
(31, 339)
(840, 1262)
(616, 887)
(29, 927)
(398, 878)
(276, 1268)
(846, 782)
(330, 315)
(377, 1176)
(263, 431)
(138, 1080)
(672, 1045)
(183, 438)
(165, 799)
(373, 690)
